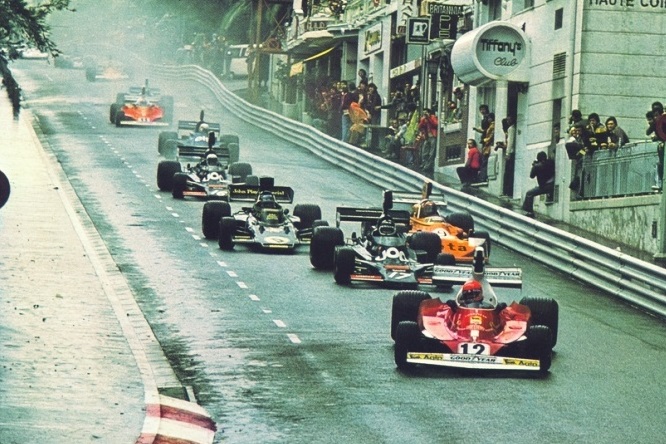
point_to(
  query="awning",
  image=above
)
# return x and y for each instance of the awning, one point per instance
(297, 68)
(321, 54)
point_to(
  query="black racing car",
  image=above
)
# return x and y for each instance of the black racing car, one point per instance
(266, 224)
(382, 253)
(192, 137)
(208, 178)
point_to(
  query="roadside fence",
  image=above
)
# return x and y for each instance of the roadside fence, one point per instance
(638, 283)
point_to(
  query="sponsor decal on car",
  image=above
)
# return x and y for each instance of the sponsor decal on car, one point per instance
(522, 362)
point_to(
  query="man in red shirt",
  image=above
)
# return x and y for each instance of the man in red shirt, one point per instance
(469, 173)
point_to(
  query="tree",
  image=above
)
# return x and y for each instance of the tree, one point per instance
(24, 25)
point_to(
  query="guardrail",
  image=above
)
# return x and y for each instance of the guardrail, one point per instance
(637, 282)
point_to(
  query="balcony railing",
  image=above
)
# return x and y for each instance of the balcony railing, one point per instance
(626, 171)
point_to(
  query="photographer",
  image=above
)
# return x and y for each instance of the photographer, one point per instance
(543, 169)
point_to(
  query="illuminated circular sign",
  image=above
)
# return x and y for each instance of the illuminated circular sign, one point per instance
(494, 51)
(500, 50)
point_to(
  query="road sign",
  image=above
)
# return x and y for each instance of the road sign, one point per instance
(418, 30)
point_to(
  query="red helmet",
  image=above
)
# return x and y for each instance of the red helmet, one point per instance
(471, 292)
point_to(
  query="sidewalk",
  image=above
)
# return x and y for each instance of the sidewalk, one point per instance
(78, 360)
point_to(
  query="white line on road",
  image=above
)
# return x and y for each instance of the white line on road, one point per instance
(279, 323)
(293, 338)
(254, 297)
(241, 284)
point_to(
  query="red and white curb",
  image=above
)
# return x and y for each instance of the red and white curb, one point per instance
(177, 422)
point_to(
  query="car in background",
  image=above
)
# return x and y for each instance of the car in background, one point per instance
(237, 54)
(474, 330)
(141, 106)
(105, 70)
(202, 171)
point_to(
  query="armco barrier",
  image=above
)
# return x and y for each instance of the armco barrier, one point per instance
(637, 282)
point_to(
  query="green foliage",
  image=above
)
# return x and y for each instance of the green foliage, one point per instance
(24, 25)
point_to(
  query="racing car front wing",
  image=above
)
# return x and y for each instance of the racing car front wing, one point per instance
(473, 361)
(139, 123)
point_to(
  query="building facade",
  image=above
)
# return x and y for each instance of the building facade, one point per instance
(534, 59)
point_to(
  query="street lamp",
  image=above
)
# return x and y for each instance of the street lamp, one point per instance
(432, 66)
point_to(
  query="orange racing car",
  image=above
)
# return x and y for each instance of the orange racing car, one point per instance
(456, 230)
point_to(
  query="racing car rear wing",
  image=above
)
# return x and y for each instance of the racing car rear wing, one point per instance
(249, 193)
(192, 125)
(200, 151)
(371, 215)
(459, 274)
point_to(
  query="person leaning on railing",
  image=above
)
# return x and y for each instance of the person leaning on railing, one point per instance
(617, 137)
(653, 119)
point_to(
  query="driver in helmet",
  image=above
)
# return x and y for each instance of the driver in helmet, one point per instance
(203, 128)
(425, 208)
(265, 200)
(428, 209)
(386, 227)
(471, 295)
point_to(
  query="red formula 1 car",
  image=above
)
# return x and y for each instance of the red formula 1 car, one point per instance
(474, 330)
(142, 106)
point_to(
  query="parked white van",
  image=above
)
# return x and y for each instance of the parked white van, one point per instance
(238, 64)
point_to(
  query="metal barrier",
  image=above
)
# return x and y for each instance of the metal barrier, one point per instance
(637, 282)
(626, 171)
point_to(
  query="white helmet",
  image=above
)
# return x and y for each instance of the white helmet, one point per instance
(203, 127)
(211, 159)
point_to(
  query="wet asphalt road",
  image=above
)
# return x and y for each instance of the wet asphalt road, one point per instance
(277, 352)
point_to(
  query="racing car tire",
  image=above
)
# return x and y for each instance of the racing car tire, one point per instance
(91, 73)
(461, 220)
(167, 105)
(488, 243)
(241, 170)
(405, 307)
(120, 116)
(307, 213)
(428, 242)
(345, 260)
(539, 338)
(545, 311)
(322, 246)
(234, 152)
(407, 336)
(319, 223)
(166, 169)
(163, 138)
(179, 185)
(170, 149)
(226, 139)
(211, 215)
(225, 239)
(112, 112)
(445, 259)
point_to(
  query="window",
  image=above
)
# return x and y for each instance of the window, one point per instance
(559, 14)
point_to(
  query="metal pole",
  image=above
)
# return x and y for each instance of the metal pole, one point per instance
(423, 90)
(660, 257)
